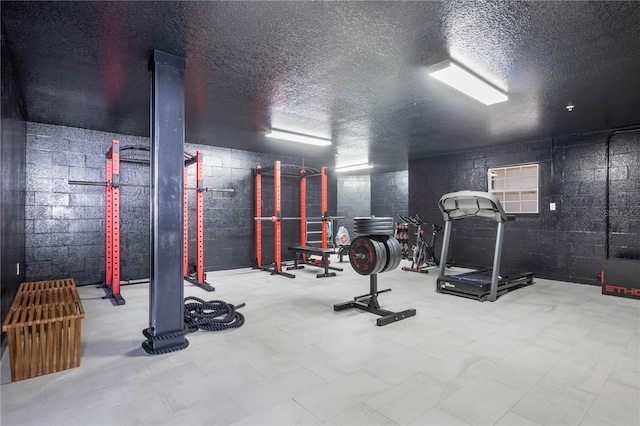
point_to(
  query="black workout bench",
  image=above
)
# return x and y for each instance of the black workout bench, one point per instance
(324, 253)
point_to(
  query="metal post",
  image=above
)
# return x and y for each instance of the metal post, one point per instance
(108, 208)
(185, 225)
(495, 275)
(323, 204)
(112, 224)
(115, 199)
(303, 212)
(258, 214)
(277, 207)
(200, 216)
(166, 310)
(445, 248)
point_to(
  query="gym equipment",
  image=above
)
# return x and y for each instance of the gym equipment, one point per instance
(618, 276)
(371, 255)
(424, 257)
(486, 284)
(323, 261)
(302, 174)
(198, 277)
(214, 315)
(112, 223)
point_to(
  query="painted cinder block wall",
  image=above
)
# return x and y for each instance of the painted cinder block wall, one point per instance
(65, 223)
(390, 194)
(566, 244)
(12, 185)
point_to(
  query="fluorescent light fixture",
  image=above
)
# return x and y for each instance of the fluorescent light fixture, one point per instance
(354, 167)
(297, 137)
(460, 79)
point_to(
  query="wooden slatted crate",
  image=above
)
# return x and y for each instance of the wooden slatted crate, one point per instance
(43, 328)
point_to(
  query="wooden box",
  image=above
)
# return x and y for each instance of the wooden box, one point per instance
(43, 328)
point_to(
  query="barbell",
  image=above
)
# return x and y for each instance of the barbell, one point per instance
(276, 218)
(133, 185)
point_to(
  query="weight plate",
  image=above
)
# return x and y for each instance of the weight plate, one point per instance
(373, 219)
(385, 229)
(382, 256)
(365, 255)
(396, 251)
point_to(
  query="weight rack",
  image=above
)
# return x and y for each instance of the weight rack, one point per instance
(112, 218)
(276, 219)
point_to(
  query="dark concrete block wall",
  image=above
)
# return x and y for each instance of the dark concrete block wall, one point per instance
(566, 244)
(12, 185)
(390, 194)
(65, 223)
(354, 199)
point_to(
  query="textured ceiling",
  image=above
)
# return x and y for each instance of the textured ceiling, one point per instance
(352, 71)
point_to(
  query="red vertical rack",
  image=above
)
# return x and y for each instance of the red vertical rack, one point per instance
(200, 216)
(112, 208)
(277, 213)
(185, 227)
(258, 213)
(199, 277)
(323, 205)
(303, 211)
(277, 217)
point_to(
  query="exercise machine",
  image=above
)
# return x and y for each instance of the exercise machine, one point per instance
(485, 284)
(113, 185)
(373, 252)
(424, 257)
(198, 277)
(303, 249)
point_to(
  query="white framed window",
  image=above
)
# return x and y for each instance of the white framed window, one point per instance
(517, 187)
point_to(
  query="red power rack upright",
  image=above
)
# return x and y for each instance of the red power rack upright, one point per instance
(112, 223)
(198, 278)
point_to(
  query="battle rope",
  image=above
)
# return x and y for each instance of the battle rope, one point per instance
(202, 315)
(214, 315)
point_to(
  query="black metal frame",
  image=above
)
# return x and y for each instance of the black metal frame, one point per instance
(369, 303)
(299, 260)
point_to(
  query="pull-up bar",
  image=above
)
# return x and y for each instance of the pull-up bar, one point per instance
(134, 185)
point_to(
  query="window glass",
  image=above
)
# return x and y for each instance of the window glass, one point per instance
(516, 187)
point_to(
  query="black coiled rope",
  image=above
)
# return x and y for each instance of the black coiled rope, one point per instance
(214, 315)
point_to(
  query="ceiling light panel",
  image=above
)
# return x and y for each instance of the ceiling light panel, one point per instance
(297, 137)
(462, 80)
(354, 167)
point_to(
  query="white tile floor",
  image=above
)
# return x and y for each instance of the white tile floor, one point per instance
(553, 353)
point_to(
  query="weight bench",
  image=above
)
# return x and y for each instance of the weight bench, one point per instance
(324, 253)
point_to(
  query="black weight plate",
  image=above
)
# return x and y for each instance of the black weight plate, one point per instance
(387, 258)
(373, 225)
(373, 219)
(396, 253)
(364, 254)
(380, 227)
(382, 256)
(374, 231)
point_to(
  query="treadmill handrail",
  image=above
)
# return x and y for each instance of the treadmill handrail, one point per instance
(461, 204)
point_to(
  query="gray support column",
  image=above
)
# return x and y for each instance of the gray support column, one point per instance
(497, 255)
(166, 291)
(445, 248)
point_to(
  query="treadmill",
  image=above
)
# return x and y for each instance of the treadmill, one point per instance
(486, 284)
